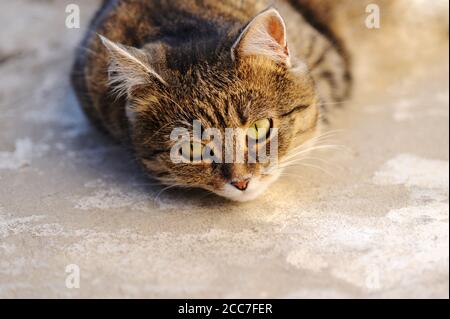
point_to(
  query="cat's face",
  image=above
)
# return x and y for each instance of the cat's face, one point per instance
(255, 91)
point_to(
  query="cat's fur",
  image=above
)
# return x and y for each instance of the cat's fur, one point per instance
(160, 64)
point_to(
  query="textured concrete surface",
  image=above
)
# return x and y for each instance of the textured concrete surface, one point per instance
(370, 221)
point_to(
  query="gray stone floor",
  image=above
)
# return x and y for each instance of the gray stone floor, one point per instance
(373, 222)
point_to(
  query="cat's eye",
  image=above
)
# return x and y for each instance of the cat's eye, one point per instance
(260, 130)
(192, 151)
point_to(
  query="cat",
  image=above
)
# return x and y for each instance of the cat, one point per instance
(147, 67)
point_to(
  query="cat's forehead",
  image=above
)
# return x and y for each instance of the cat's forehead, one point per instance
(225, 96)
(251, 79)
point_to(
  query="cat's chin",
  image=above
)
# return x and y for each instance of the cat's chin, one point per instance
(256, 188)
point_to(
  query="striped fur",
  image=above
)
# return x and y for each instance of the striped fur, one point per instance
(187, 48)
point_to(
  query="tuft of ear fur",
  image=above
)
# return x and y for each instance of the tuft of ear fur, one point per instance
(264, 36)
(129, 68)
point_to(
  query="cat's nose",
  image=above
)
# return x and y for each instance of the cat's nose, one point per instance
(242, 184)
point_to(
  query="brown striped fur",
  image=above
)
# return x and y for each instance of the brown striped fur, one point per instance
(188, 43)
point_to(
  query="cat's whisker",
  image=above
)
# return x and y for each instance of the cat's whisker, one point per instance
(325, 136)
(332, 132)
(150, 139)
(316, 141)
(321, 137)
(286, 175)
(146, 184)
(335, 103)
(301, 161)
(156, 200)
(314, 148)
(302, 150)
(326, 162)
(311, 166)
(182, 109)
(208, 194)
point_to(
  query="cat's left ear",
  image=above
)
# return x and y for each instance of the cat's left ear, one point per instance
(129, 68)
(265, 35)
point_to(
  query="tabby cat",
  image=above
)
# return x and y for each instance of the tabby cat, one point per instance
(147, 67)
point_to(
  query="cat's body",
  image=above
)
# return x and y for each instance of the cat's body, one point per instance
(211, 61)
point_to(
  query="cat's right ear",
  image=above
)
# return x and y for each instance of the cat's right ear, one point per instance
(129, 68)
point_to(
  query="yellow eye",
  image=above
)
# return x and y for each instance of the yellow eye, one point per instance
(192, 151)
(260, 130)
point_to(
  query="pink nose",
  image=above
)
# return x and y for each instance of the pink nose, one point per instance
(242, 185)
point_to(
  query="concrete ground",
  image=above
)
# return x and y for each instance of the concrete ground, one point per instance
(370, 221)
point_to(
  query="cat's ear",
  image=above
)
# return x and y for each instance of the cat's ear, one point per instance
(129, 68)
(264, 36)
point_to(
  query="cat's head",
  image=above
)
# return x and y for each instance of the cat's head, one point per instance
(253, 84)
